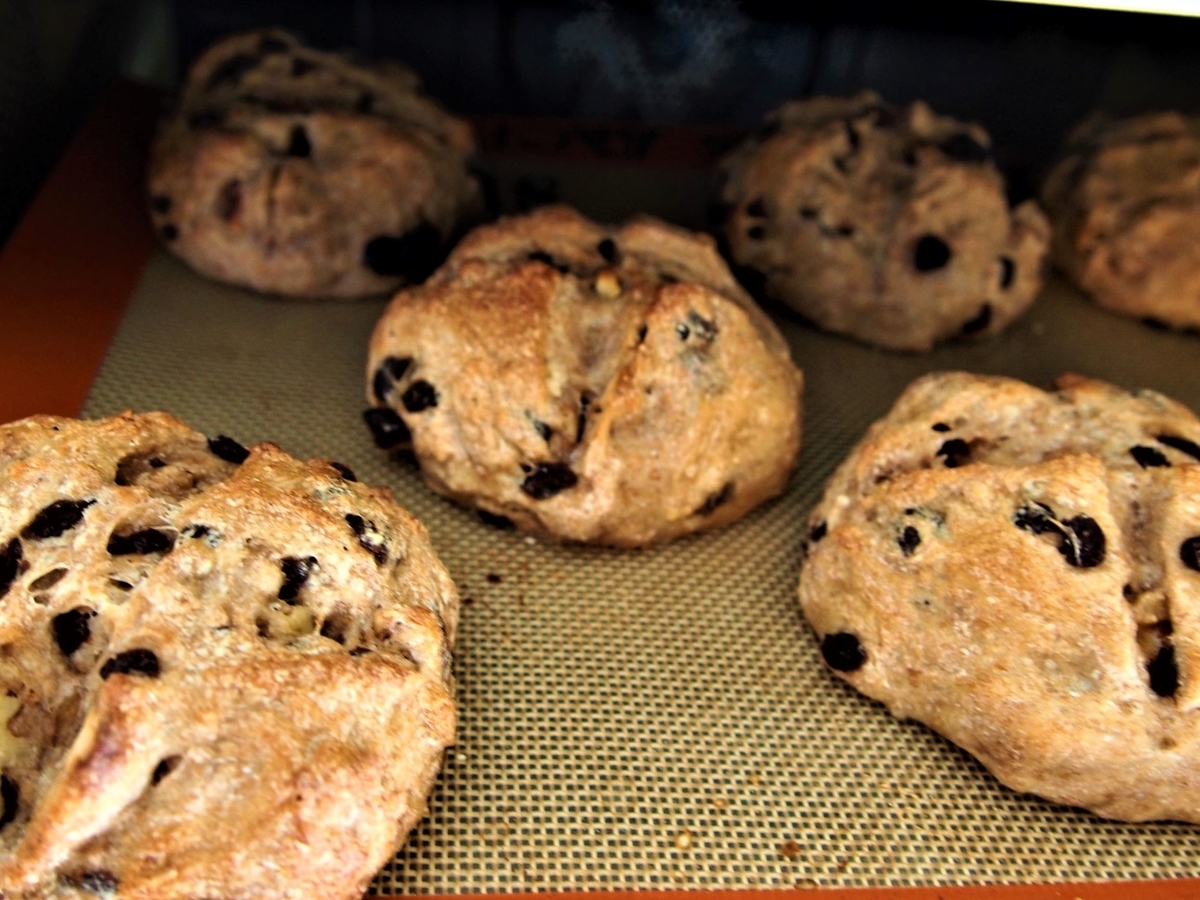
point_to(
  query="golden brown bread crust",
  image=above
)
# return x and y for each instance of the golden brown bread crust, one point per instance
(1125, 203)
(294, 171)
(1020, 570)
(610, 386)
(884, 223)
(220, 679)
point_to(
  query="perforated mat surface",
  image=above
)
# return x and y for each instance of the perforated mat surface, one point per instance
(660, 718)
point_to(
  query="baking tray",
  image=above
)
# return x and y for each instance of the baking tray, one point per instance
(628, 720)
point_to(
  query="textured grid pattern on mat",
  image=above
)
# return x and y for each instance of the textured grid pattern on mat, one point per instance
(659, 718)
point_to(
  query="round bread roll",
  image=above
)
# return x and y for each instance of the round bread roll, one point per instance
(225, 672)
(1020, 570)
(1125, 202)
(297, 172)
(883, 223)
(613, 386)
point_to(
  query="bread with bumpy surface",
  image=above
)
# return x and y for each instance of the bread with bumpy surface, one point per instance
(226, 673)
(298, 172)
(1020, 570)
(1125, 203)
(883, 223)
(613, 386)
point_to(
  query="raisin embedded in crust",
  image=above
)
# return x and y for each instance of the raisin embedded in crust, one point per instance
(345, 471)
(72, 629)
(843, 652)
(164, 768)
(148, 540)
(387, 428)
(1036, 519)
(979, 321)
(10, 564)
(608, 249)
(138, 661)
(295, 573)
(1183, 445)
(931, 253)
(1189, 553)
(226, 448)
(420, 396)
(387, 374)
(1148, 457)
(956, 452)
(1163, 672)
(57, 518)
(909, 540)
(716, 500)
(1081, 541)
(1008, 271)
(10, 797)
(1083, 544)
(548, 479)
(299, 145)
(368, 537)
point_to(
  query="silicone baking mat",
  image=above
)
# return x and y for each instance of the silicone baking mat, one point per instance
(628, 720)
(659, 718)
